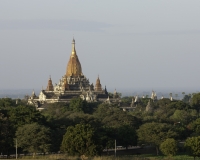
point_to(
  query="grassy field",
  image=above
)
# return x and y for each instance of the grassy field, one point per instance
(128, 157)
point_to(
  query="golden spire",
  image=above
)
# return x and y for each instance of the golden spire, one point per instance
(73, 48)
(74, 66)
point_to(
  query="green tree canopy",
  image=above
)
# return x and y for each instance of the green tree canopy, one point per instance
(163, 102)
(196, 101)
(187, 98)
(33, 138)
(78, 105)
(81, 139)
(179, 105)
(114, 117)
(169, 147)
(126, 135)
(6, 134)
(155, 133)
(78, 117)
(7, 102)
(184, 116)
(25, 115)
(195, 127)
(192, 145)
(126, 100)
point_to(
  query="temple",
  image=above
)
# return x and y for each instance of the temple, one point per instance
(73, 84)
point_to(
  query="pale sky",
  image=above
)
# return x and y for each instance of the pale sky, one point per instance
(130, 44)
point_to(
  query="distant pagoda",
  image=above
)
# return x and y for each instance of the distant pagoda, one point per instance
(72, 84)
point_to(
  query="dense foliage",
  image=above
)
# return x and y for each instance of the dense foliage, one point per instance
(193, 146)
(155, 133)
(169, 147)
(81, 139)
(88, 128)
(33, 138)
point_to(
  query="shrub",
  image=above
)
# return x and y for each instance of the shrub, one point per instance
(169, 147)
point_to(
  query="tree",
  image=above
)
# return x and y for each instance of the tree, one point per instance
(33, 138)
(184, 116)
(126, 135)
(169, 147)
(114, 117)
(192, 145)
(107, 137)
(78, 105)
(126, 100)
(81, 139)
(187, 98)
(163, 102)
(77, 118)
(179, 105)
(6, 102)
(195, 127)
(22, 115)
(6, 134)
(155, 133)
(196, 101)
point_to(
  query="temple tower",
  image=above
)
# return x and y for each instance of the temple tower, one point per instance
(74, 66)
(98, 85)
(49, 85)
(106, 92)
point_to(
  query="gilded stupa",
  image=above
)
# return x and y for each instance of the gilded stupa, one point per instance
(74, 66)
(73, 84)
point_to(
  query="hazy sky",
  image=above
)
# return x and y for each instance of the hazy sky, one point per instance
(152, 44)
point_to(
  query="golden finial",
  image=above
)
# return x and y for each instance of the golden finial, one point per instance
(73, 47)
